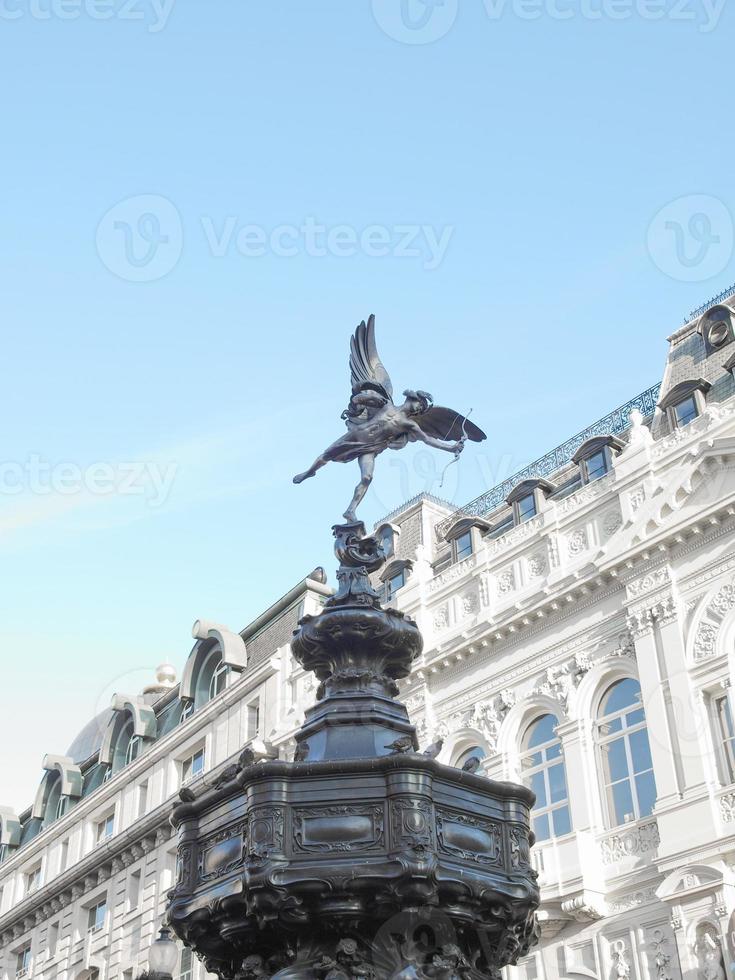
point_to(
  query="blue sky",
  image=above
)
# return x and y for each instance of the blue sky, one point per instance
(201, 200)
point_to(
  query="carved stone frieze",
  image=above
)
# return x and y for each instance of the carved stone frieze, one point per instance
(636, 498)
(704, 645)
(640, 840)
(612, 521)
(577, 542)
(515, 536)
(451, 574)
(727, 807)
(505, 582)
(537, 565)
(632, 901)
(582, 909)
(650, 582)
(586, 495)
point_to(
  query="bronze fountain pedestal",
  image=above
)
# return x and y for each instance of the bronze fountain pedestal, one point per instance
(365, 859)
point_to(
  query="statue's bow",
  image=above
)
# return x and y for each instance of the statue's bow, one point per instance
(462, 440)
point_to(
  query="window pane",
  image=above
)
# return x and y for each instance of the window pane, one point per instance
(610, 727)
(596, 466)
(526, 508)
(557, 783)
(624, 694)
(464, 545)
(686, 411)
(725, 713)
(538, 786)
(645, 785)
(562, 821)
(622, 802)
(616, 760)
(541, 731)
(640, 751)
(541, 827)
(395, 583)
(554, 751)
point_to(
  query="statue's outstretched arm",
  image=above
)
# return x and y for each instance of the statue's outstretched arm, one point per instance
(449, 447)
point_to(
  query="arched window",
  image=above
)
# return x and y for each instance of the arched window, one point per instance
(135, 747)
(219, 680)
(474, 750)
(630, 786)
(545, 773)
(187, 710)
(211, 679)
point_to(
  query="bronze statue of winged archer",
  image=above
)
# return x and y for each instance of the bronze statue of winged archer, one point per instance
(375, 423)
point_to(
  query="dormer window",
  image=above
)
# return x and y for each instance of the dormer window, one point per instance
(463, 546)
(594, 457)
(394, 583)
(685, 402)
(525, 508)
(394, 576)
(716, 328)
(596, 467)
(219, 680)
(61, 807)
(528, 499)
(465, 536)
(135, 747)
(686, 411)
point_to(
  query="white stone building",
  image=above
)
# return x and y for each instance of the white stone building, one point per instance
(579, 631)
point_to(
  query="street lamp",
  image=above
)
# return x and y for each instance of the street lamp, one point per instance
(163, 956)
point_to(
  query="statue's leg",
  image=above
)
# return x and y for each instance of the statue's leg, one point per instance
(316, 465)
(367, 468)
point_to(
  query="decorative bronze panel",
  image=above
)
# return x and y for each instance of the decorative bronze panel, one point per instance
(338, 828)
(221, 853)
(470, 838)
(520, 849)
(265, 832)
(411, 822)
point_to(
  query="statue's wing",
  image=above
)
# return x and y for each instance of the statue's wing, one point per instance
(443, 423)
(366, 368)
